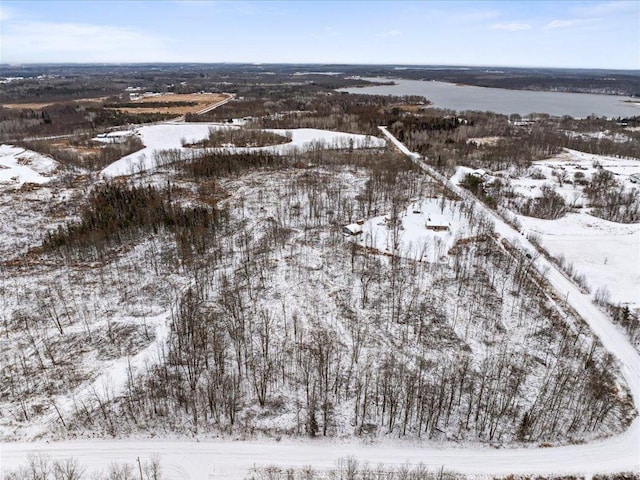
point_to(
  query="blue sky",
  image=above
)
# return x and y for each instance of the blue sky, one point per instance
(584, 34)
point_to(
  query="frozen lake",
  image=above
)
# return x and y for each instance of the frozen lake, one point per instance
(500, 100)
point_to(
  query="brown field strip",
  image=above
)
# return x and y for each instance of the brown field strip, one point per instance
(38, 106)
(202, 100)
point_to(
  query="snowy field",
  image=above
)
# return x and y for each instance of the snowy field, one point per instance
(561, 172)
(19, 166)
(23, 210)
(171, 136)
(607, 253)
(615, 137)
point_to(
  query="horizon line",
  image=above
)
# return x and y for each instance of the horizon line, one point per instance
(418, 65)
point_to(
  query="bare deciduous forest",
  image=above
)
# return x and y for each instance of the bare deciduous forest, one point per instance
(258, 316)
(285, 327)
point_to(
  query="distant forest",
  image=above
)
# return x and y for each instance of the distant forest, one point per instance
(67, 82)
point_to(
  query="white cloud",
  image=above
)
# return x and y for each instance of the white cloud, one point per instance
(79, 42)
(558, 24)
(5, 13)
(511, 27)
(390, 33)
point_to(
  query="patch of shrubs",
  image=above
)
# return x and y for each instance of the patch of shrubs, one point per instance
(118, 214)
(219, 164)
(476, 186)
(549, 206)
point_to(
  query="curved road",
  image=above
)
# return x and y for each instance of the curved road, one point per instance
(232, 459)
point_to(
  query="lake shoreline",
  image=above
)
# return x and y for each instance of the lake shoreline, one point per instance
(504, 101)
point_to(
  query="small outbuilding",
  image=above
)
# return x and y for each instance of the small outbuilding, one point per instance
(437, 223)
(481, 174)
(352, 229)
(437, 226)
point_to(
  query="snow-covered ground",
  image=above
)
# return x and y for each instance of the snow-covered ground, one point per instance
(461, 173)
(425, 231)
(19, 166)
(560, 172)
(574, 160)
(484, 140)
(165, 136)
(615, 137)
(607, 253)
(119, 136)
(170, 136)
(233, 459)
(114, 377)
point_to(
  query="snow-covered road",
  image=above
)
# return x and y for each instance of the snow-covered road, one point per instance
(232, 459)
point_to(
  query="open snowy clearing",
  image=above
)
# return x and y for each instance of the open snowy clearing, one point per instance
(564, 169)
(613, 136)
(565, 166)
(607, 253)
(574, 160)
(566, 173)
(425, 231)
(170, 136)
(480, 141)
(19, 166)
